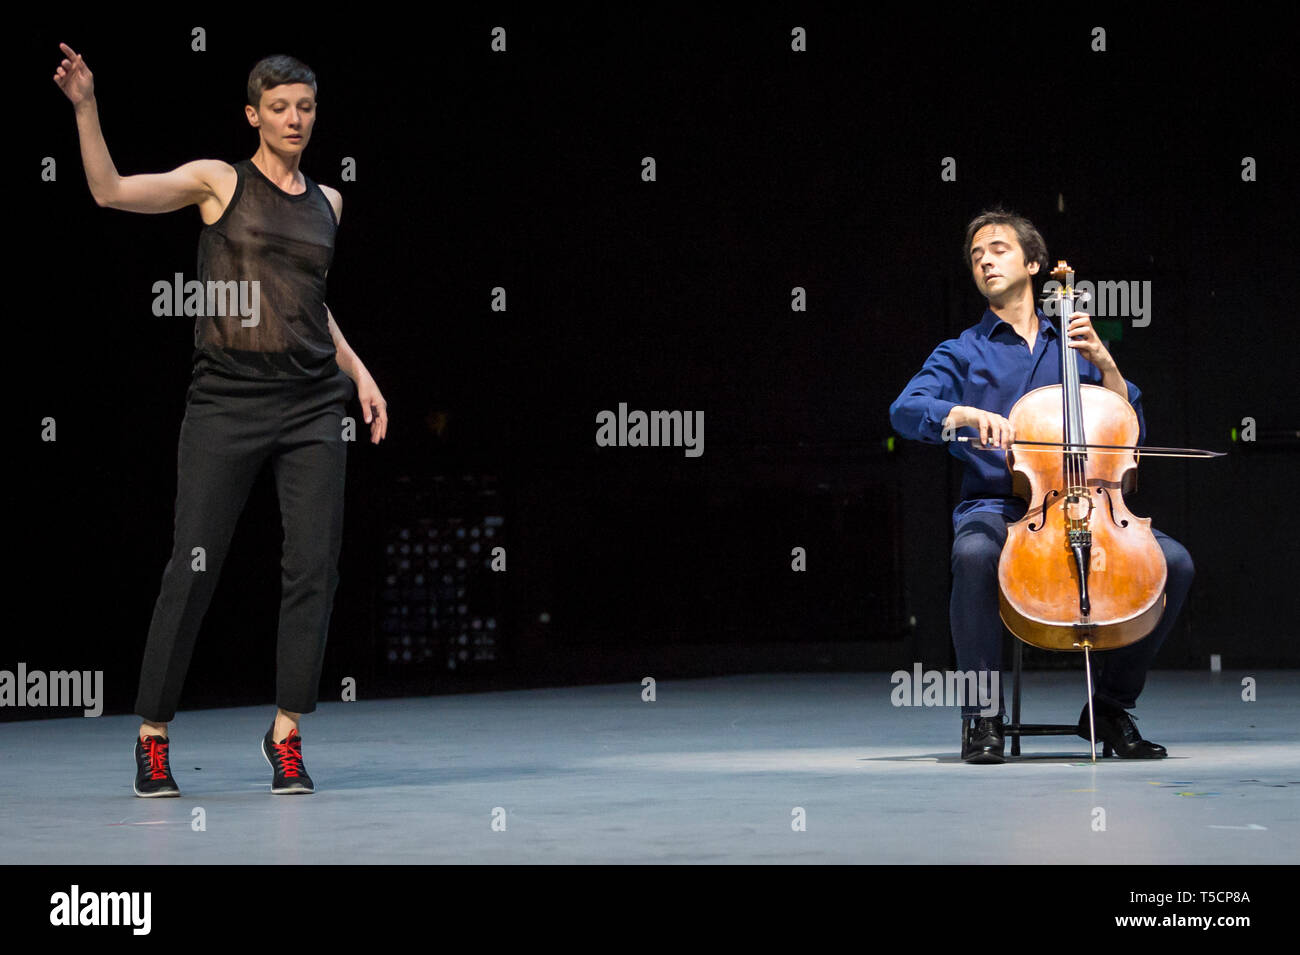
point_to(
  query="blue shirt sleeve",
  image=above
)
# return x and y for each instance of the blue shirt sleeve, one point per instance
(1135, 399)
(932, 393)
(1091, 374)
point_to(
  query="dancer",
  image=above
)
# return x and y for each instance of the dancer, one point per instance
(272, 376)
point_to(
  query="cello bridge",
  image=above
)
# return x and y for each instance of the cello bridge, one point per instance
(1077, 506)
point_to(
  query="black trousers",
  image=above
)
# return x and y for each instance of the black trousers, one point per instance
(977, 629)
(231, 428)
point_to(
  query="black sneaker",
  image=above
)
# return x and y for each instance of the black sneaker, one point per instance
(290, 776)
(982, 740)
(153, 777)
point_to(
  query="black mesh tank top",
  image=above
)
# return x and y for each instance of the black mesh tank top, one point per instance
(285, 243)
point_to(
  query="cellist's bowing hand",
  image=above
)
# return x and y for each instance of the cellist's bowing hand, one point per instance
(993, 430)
(1083, 338)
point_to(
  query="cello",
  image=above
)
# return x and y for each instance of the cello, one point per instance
(1079, 571)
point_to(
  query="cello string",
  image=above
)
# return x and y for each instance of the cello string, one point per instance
(1067, 475)
(1069, 370)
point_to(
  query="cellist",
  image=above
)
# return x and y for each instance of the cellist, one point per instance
(972, 382)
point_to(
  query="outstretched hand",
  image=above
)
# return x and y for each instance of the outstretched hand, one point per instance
(74, 77)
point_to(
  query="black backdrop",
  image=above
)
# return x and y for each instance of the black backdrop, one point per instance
(775, 169)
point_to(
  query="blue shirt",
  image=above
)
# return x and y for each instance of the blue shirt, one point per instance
(989, 366)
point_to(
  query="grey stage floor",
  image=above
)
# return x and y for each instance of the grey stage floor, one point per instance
(712, 771)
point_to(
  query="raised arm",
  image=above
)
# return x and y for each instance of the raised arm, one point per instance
(934, 391)
(203, 182)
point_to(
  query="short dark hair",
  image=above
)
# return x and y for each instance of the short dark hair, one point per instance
(1031, 243)
(276, 71)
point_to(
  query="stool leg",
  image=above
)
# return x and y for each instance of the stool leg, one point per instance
(1015, 698)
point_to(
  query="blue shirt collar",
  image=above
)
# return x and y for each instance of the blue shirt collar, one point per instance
(990, 322)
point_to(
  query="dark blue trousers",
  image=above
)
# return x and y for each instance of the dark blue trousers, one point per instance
(977, 629)
(232, 427)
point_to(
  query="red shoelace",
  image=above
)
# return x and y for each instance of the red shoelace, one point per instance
(289, 753)
(157, 756)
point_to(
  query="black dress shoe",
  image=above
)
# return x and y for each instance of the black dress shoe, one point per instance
(981, 740)
(1117, 733)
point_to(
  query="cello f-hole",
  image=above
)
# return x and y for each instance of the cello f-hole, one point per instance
(1042, 517)
(1105, 492)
